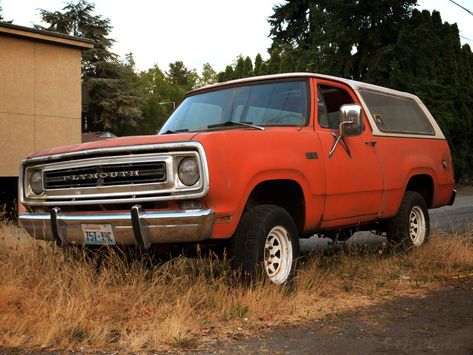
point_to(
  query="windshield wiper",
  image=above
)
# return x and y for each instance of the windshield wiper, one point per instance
(170, 131)
(235, 123)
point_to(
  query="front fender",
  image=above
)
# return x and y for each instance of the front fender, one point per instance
(239, 160)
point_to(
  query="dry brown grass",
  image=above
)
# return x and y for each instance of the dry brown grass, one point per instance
(50, 301)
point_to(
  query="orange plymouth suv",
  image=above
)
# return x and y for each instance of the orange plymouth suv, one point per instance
(252, 164)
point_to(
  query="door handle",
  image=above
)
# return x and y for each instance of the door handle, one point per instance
(370, 143)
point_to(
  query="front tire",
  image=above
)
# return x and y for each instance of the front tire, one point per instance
(410, 228)
(266, 243)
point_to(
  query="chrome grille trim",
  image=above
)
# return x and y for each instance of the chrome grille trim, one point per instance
(168, 189)
(105, 175)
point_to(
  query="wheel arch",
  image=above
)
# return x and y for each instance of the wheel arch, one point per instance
(422, 182)
(287, 194)
(286, 191)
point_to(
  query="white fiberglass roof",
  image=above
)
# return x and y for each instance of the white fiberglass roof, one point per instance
(355, 85)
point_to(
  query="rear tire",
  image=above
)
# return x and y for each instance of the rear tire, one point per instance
(410, 228)
(266, 243)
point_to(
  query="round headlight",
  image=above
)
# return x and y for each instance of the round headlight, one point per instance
(36, 182)
(188, 171)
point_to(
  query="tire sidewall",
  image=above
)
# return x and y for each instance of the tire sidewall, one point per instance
(278, 217)
(250, 238)
(398, 233)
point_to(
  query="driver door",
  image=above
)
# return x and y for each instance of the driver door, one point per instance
(354, 182)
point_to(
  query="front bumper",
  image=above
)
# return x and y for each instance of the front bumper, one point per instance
(136, 227)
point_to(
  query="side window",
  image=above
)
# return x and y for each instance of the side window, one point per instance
(330, 99)
(397, 114)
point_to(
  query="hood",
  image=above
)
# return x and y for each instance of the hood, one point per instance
(117, 142)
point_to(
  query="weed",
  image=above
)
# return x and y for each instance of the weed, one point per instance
(52, 299)
(239, 311)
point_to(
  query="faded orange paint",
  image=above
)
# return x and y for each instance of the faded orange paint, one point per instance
(338, 192)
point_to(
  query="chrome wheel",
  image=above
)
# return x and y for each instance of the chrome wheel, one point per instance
(278, 255)
(417, 226)
(410, 227)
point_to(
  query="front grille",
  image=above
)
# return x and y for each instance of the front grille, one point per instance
(106, 175)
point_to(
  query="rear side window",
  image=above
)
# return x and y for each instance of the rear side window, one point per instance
(394, 114)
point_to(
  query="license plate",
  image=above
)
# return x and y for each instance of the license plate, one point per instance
(98, 234)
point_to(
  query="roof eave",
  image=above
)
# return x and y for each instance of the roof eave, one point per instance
(54, 38)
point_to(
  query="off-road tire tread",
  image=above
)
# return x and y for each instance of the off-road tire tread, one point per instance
(397, 230)
(248, 238)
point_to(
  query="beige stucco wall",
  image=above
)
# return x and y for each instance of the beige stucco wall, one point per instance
(40, 99)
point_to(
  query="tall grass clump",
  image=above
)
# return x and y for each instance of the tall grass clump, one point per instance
(71, 300)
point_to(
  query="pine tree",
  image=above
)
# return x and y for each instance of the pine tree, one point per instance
(114, 100)
(239, 68)
(113, 94)
(209, 75)
(226, 75)
(430, 62)
(337, 37)
(388, 43)
(179, 75)
(274, 62)
(248, 67)
(259, 65)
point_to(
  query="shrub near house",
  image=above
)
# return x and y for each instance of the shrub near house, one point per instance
(257, 163)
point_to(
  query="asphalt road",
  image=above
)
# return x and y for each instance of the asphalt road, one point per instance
(450, 219)
(440, 323)
(456, 218)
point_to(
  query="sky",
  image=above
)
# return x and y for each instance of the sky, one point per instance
(198, 31)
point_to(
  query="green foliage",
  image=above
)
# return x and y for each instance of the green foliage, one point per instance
(239, 311)
(429, 60)
(226, 75)
(248, 67)
(243, 67)
(339, 37)
(77, 19)
(209, 75)
(114, 101)
(120, 99)
(179, 75)
(162, 91)
(259, 65)
(385, 42)
(239, 71)
(160, 95)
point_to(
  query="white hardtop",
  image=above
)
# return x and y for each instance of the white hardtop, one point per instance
(355, 85)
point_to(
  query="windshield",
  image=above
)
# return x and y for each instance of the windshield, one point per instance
(282, 103)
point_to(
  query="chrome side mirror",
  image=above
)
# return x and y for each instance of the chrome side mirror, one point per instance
(351, 122)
